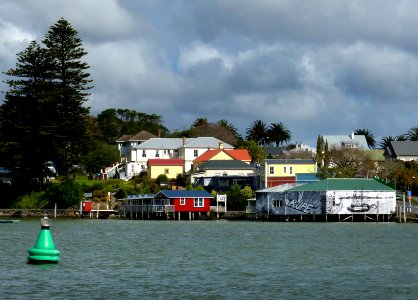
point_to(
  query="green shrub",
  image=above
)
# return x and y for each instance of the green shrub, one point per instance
(33, 200)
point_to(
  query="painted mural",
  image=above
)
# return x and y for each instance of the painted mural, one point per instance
(291, 203)
(360, 202)
(325, 202)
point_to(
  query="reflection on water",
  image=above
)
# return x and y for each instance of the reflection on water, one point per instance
(212, 260)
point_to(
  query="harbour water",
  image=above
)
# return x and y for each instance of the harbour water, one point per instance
(110, 259)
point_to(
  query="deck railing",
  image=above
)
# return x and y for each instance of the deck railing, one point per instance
(147, 208)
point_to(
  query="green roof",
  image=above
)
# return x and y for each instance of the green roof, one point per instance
(342, 184)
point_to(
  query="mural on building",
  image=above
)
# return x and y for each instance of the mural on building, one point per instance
(360, 202)
(291, 203)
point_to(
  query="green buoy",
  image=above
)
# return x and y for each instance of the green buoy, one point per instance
(44, 251)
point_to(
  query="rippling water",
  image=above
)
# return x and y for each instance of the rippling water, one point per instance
(107, 259)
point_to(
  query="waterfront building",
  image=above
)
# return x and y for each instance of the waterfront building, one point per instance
(336, 198)
(167, 204)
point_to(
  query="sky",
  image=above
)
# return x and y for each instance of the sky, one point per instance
(320, 67)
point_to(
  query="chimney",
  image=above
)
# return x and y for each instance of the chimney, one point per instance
(159, 132)
(352, 135)
(184, 140)
(221, 145)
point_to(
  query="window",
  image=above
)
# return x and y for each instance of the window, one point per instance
(157, 154)
(182, 201)
(144, 154)
(165, 152)
(277, 203)
(198, 202)
(195, 154)
(291, 170)
(284, 170)
(271, 169)
(166, 171)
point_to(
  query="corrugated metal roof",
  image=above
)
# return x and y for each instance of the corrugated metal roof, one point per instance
(343, 184)
(184, 194)
(405, 148)
(339, 140)
(177, 143)
(206, 142)
(162, 143)
(279, 188)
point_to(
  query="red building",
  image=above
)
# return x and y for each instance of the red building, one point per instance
(186, 201)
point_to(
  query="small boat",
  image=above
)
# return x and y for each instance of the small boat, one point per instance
(9, 221)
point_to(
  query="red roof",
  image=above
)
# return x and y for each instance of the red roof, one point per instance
(166, 162)
(237, 154)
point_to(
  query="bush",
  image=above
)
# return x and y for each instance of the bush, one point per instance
(33, 200)
(65, 194)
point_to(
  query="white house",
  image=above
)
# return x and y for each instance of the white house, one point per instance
(127, 142)
(186, 149)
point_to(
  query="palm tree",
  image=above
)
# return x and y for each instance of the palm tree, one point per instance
(371, 142)
(401, 137)
(257, 131)
(279, 133)
(386, 141)
(200, 121)
(413, 134)
(225, 124)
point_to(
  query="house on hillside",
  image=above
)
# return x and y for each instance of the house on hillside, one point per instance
(221, 154)
(281, 171)
(186, 149)
(196, 147)
(221, 175)
(127, 142)
(220, 169)
(352, 141)
(334, 198)
(402, 150)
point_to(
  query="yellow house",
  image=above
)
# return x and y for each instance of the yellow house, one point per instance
(169, 167)
(282, 171)
(222, 154)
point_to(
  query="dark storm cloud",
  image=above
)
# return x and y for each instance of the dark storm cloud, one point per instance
(320, 67)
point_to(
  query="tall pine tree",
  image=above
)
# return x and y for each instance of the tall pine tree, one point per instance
(71, 83)
(24, 128)
(43, 117)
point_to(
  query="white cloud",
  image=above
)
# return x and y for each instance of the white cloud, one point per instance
(202, 53)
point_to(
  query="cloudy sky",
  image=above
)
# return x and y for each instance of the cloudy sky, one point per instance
(320, 67)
